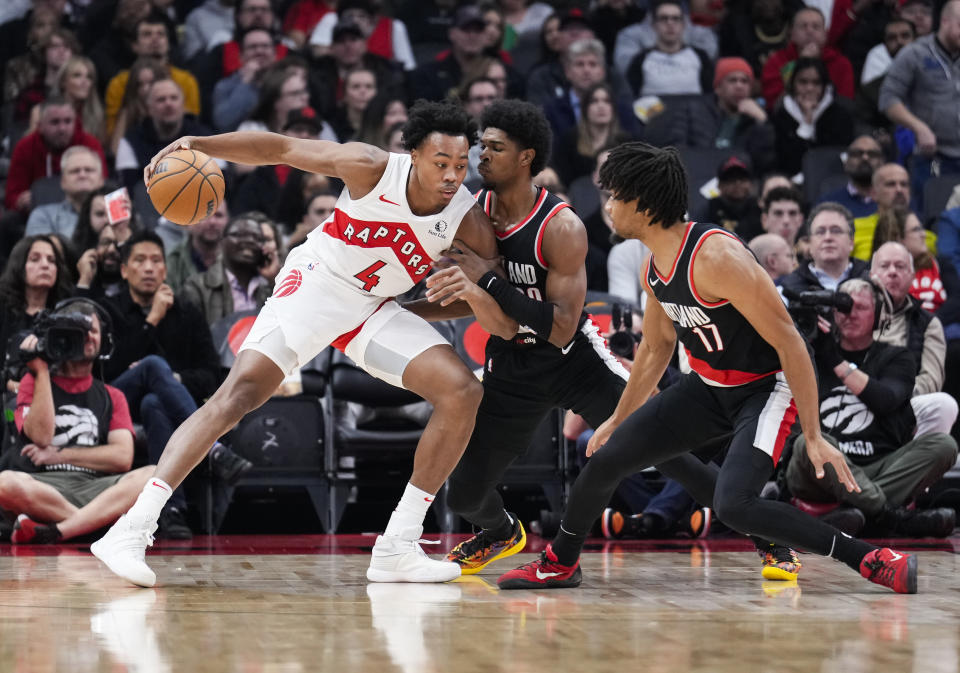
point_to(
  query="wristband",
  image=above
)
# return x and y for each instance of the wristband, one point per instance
(851, 368)
(531, 313)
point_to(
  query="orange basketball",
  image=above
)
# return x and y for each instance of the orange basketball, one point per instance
(186, 187)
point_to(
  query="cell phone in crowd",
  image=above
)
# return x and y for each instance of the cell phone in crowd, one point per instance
(118, 205)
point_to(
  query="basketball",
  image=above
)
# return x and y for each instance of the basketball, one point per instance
(186, 187)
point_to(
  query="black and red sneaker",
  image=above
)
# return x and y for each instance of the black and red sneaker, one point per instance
(544, 572)
(28, 531)
(890, 568)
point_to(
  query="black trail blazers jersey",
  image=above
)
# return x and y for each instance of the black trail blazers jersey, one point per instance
(521, 246)
(721, 346)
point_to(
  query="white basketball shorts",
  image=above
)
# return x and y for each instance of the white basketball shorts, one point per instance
(311, 309)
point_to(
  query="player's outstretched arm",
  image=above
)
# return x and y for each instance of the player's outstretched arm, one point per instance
(359, 165)
(652, 357)
(725, 269)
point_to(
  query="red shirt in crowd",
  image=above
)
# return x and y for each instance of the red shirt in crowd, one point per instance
(32, 160)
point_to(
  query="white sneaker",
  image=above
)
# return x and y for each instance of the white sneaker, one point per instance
(400, 559)
(122, 549)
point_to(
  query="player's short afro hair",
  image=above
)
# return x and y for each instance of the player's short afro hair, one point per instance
(525, 124)
(447, 117)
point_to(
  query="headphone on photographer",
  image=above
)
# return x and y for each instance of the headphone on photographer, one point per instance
(107, 343)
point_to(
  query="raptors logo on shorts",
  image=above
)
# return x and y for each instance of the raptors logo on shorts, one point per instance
(289, 285)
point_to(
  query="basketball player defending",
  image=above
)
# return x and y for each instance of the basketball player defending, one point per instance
(752, 377)
(556, 358)
(396, 214)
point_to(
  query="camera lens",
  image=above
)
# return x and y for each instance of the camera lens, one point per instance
(621, 343)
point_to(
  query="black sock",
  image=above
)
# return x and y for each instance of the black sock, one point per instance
(850, 550)
(567, 546)
(503, 530)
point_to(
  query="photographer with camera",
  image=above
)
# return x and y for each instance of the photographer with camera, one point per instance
(865, 388)
(233, 283)
(76, 437)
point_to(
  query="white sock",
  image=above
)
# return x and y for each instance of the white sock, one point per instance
(151, 500)
(410, 512)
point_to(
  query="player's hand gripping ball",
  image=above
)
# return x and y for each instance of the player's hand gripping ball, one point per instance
(186, 186)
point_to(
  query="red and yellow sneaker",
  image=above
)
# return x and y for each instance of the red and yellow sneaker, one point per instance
(544, 572)
(893, 569)
(779, 563)
(476, 553)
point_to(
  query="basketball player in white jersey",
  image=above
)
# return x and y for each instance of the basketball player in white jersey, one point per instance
(395, 216)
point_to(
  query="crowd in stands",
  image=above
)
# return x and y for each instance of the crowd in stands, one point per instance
(778, 107)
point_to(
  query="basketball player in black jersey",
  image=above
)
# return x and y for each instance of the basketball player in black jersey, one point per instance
(556, 359)
(752, 378)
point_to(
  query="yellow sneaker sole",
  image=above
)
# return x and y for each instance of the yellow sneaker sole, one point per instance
(509, 551)
(775, 573)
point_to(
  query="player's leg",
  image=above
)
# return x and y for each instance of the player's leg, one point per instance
(252, 380)
(439, 376)
(404, 350)
(600, 380)
(505, 425)
(748, 465)
(660, 430)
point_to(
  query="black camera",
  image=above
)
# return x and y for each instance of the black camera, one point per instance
(60, 337)
(622, 340)
(806, 306)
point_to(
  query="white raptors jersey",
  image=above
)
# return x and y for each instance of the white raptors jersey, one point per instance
(377, 243)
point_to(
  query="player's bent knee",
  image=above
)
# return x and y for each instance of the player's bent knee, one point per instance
(241, 394)
(735, 510)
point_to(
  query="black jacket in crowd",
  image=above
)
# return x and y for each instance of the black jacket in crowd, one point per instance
(182, 338)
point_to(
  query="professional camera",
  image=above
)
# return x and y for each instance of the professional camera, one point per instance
(622, 340)
(60, 337)
(806, 306)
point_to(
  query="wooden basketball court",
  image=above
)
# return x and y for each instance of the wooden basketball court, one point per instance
(302, 603)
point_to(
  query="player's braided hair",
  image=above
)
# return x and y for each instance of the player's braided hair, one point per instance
(446, 117)
(525, 124)
(653, 176)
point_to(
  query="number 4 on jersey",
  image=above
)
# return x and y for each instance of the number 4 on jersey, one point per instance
(369, 276)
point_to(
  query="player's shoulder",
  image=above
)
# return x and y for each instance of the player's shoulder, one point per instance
(717, 247)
